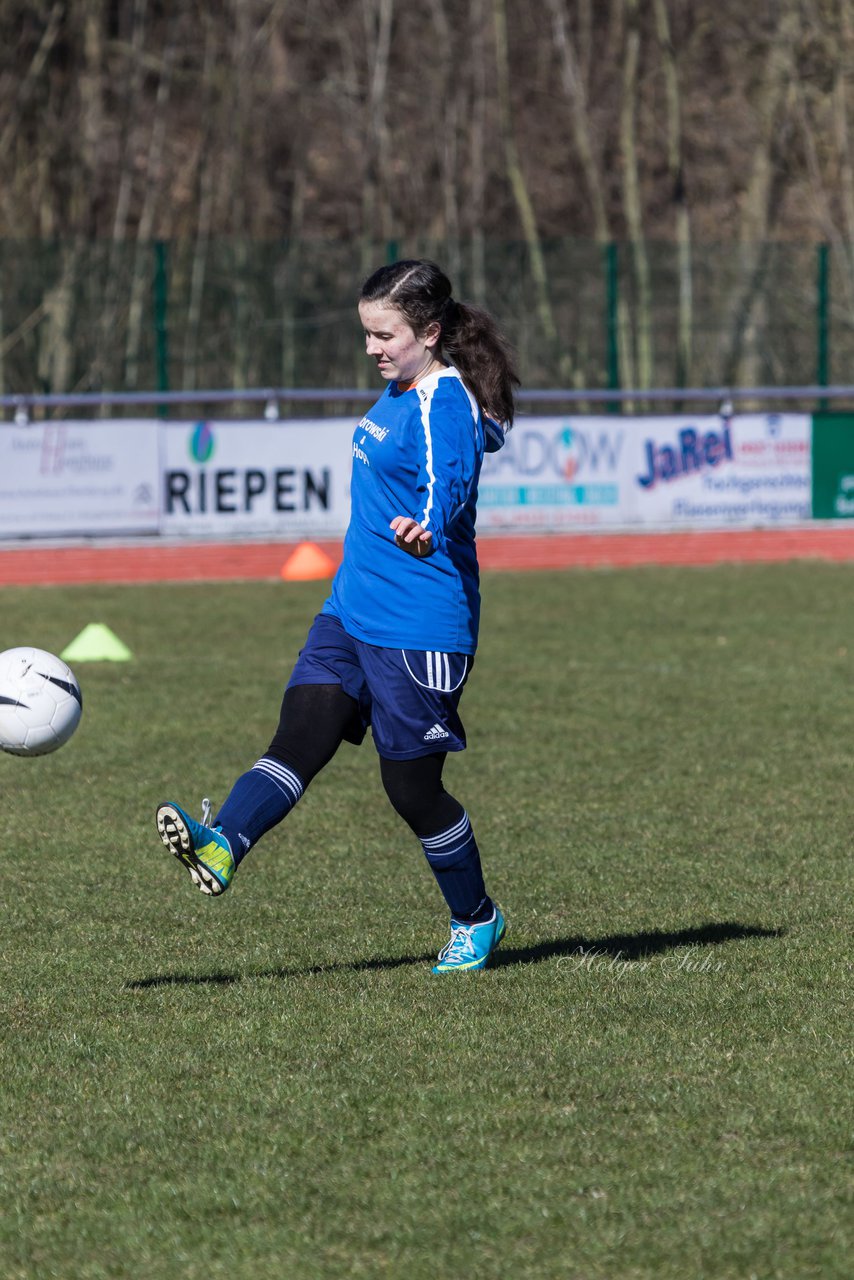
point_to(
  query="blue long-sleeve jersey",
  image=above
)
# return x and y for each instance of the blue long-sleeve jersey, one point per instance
(416, 453)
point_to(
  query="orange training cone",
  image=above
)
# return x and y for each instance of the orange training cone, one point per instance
(306, 563)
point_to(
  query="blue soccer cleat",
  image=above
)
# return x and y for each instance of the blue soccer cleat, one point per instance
(470, 945)
(204, 850)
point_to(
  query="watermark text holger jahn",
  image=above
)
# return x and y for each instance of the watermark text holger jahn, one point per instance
(689, 960)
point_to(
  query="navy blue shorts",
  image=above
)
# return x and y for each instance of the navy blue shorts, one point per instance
(407, 696)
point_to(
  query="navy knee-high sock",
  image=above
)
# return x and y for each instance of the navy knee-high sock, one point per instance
(258, 801)
(455, 862)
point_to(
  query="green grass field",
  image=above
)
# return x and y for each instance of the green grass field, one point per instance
(652, 1081)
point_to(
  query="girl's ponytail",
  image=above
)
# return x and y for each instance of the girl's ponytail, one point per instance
(475, 346)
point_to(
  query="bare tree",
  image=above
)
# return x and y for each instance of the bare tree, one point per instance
(841, 130)
(516, 177)
(378, 15)
(573, 81)
(762, 196)
(676, 171)
(205, 171)
(478, 163)
(25, 93)
(141, 280)
(56, 350)
(632, 195)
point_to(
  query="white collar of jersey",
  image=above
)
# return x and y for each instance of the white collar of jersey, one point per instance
(445, 371)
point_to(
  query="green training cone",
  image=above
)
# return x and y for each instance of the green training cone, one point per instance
(96, 643)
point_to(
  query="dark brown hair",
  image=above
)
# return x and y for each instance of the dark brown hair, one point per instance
(470, 339)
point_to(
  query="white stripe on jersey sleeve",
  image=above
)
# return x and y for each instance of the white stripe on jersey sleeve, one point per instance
(425, 395)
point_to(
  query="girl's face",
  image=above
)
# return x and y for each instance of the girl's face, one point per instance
(401, 355)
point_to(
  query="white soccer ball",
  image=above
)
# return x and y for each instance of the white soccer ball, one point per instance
(40, 702)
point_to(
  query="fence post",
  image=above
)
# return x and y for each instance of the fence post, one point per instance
(612, 286)
(822, 320)
(161, 332)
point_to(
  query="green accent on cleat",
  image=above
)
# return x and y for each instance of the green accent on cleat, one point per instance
(203, 850)
(470, 945)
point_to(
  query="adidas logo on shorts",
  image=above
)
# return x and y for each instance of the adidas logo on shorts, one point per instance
(434, 734)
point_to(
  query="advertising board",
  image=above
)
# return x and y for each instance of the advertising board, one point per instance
(612, 472)
(745, 471)
(291, 479)
(556, 474)
(281, 479)
(79, 478)
(833, 466)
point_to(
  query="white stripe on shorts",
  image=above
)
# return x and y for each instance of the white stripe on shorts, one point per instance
(438, 671)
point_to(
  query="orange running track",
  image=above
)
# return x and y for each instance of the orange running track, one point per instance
(149, 561)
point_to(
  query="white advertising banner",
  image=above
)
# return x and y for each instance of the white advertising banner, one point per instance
(557, 474)
(67, 478)
(292, 479)
(277, 478)
(611, 472)
(745, 471)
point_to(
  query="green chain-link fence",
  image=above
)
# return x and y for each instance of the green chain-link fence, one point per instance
(105, 316)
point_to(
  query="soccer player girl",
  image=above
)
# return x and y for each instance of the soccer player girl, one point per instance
(394, 643)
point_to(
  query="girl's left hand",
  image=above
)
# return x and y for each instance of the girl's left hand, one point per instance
(411, 537)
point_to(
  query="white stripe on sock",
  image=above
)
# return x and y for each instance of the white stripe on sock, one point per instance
(285, 778)
(452, 836)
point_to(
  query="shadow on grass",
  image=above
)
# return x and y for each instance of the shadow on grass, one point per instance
(627, 947)
(632, 947)
(305, 971)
